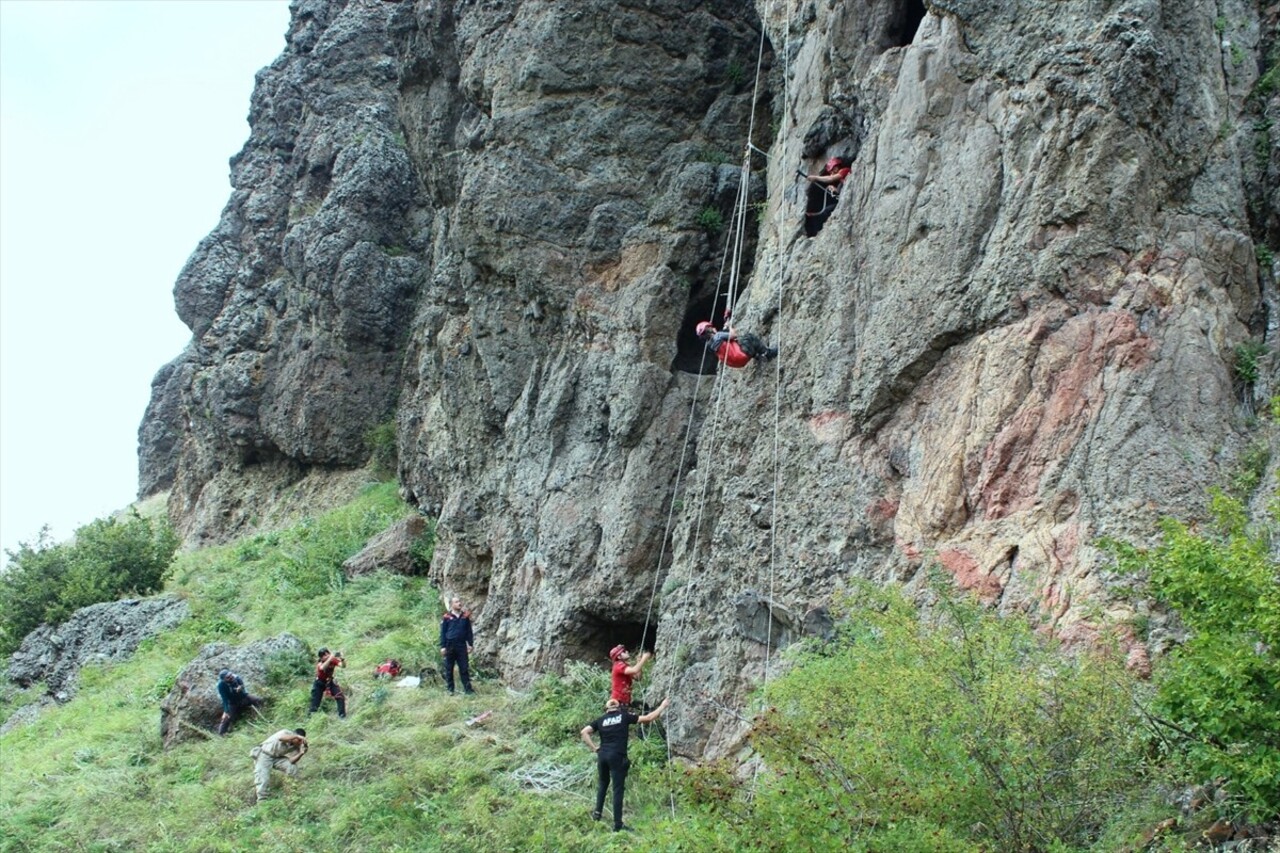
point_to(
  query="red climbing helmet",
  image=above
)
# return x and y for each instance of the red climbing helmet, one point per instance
(616, 651)
(702, 327)
(835, 163)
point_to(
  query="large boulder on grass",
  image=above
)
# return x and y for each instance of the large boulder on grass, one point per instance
(192, 708)
(110, 631)
(392, 550)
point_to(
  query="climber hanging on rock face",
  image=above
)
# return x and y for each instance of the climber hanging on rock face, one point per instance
(824, 193)
(733, 348)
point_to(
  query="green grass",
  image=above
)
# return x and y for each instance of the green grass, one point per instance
(904, 734)
(402, 772)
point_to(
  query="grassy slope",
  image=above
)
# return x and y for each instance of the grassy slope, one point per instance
(403, 772)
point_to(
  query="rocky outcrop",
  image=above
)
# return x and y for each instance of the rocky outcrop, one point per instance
(497, 224)
(192, 707)
(111, 631)
(392, 550)
(161, 432)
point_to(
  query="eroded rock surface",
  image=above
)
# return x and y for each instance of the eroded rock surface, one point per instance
(495, 223)
(111, 631)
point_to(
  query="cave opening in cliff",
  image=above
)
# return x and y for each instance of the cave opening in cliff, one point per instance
(904, 23)
(691, 353)
(589, 636)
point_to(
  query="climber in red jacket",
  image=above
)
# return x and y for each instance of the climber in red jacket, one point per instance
(733, 348)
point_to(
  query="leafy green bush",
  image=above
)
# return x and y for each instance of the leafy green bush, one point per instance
(1250, 469)
(961, 731)
(1262, 251)
(30, 587)
(1269, 81)
(710, 220)
(1249, 356)
(560, 706)
(287, 666)
(423, 548)
(1219, 693)
(713, 156)
(108, 558)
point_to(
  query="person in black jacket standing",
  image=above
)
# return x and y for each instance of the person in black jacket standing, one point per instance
(455, 644)
(611, 755)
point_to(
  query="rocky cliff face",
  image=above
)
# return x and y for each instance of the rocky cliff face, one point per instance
(496, 223)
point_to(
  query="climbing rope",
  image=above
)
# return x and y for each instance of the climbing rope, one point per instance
(734, 250)
(777, 395)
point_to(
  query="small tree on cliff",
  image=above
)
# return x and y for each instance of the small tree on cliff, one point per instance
(1219, 692)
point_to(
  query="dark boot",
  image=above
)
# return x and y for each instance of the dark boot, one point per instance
(342, 708)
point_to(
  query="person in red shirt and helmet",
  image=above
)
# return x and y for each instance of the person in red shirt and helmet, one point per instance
(732, 348)
(624, 672)
(824, 193)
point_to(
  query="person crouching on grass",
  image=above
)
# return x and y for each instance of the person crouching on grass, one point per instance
(282, 751)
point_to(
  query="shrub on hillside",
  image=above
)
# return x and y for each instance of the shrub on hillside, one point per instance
(108, 558)
(960, 731)
(381, 443)
(1218, 699)
(559, 706)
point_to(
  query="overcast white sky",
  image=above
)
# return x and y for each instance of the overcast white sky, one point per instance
(117, 119)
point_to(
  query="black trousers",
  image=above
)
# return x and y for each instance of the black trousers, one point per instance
(458, 655)
(752, 345)
(821, 204)
(318, 688)
(229, 717)
(611, 767)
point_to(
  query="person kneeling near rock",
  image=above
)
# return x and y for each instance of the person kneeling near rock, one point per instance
(235, 698)
(732, 348)
(283, 750)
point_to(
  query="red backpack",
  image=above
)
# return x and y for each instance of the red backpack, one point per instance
(389, 668)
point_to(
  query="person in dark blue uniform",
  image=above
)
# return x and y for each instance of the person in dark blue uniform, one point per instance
(235, 698)
(455, 645)
(611, 755)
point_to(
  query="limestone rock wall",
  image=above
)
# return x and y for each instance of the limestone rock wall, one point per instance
(1017, 332)
(495, 223)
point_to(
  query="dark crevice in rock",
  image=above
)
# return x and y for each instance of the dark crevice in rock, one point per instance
(691, 354)
(589, 636)
(904, 23)
(889, 394)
